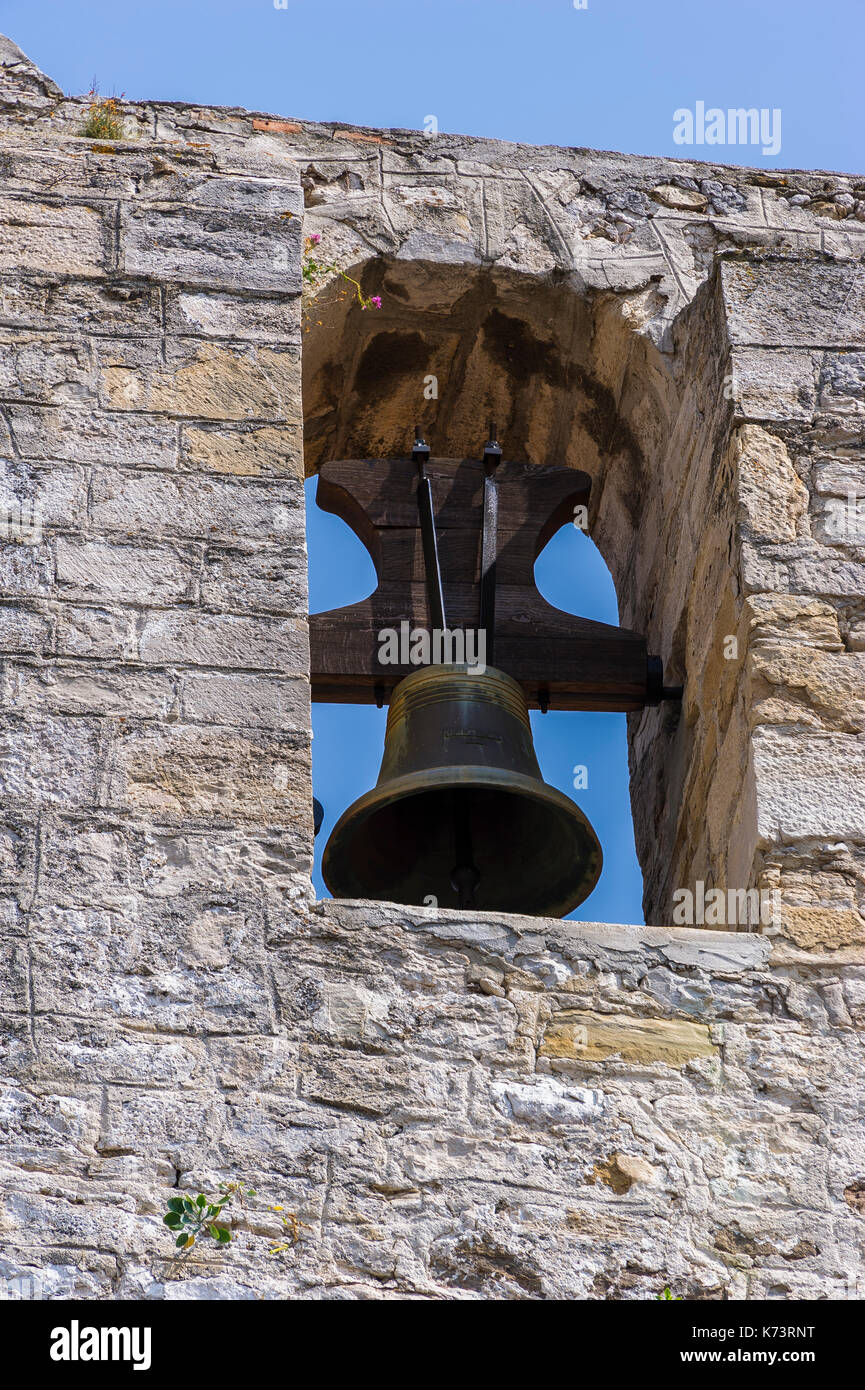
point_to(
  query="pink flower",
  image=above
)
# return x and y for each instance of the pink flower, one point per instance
(314, 239)
(376, 301)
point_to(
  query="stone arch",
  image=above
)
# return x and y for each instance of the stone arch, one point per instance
(572, 377)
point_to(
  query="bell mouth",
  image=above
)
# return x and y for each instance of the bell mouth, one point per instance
(534, 850)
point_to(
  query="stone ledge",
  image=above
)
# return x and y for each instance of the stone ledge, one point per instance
(510, 935)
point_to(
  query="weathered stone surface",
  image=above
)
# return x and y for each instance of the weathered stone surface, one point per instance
(209, 380)
(105, 571)
(575, 1034)
(772, 495)
(219, 639)
(187, 505)
(216, 246)
(268, 451)
(50, 237)
(86, 436)
(810, 787)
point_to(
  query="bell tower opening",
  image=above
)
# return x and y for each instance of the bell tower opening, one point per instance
(582, 754)
(575, 386)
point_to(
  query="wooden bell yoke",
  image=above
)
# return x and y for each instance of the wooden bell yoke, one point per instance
(454, 543)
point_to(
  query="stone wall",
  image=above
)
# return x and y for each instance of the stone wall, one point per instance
(452, 1105)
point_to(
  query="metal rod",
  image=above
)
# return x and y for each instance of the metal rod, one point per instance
(464, 875)
(432, 568)
(489, 544)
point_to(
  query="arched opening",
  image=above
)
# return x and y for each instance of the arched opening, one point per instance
(583, 754)
(571, 381)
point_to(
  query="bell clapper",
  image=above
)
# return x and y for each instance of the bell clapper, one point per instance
(464, 875)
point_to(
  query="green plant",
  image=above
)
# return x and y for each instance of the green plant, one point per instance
(668, 1297)
(103, 117)
(191, 1217)
(315, 271)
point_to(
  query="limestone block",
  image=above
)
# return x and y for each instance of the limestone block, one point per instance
(774, 385)
(203, 380)
(51, 760)
(256, 196)
(88, 436)
(830, 684)
(574, 1034)
(215, 246)
(73, 1050)
(87, 860)
(805, 568)
(178, 863)
(175, 1125)
(214, 315)
(157, 505)
(47, 496)
(44, 370)
(772, 497)
(106, 862)
(51, 237)
(779, 304)
(374, 1086)
(220, 640)
(547, 1102)
(815, 927)
(792, 618)
(813, 787)
(211, 774)
(49, 1133)
(18, 1053)
(246, 700)
(94, 632)
(74, 173)
(839, 478)
(25, 570)
(73, 305)
(842, 385)
(17, 859)
(269, 451)
(99, 570)
(23, 631)
(97, 961)
(14, 975)
(255, 578)
(818, 569)
(69, 690)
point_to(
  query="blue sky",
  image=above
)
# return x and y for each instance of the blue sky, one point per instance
(609, 76)
(541, 71)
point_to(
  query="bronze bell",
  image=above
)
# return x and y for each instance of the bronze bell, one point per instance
(460, 812)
